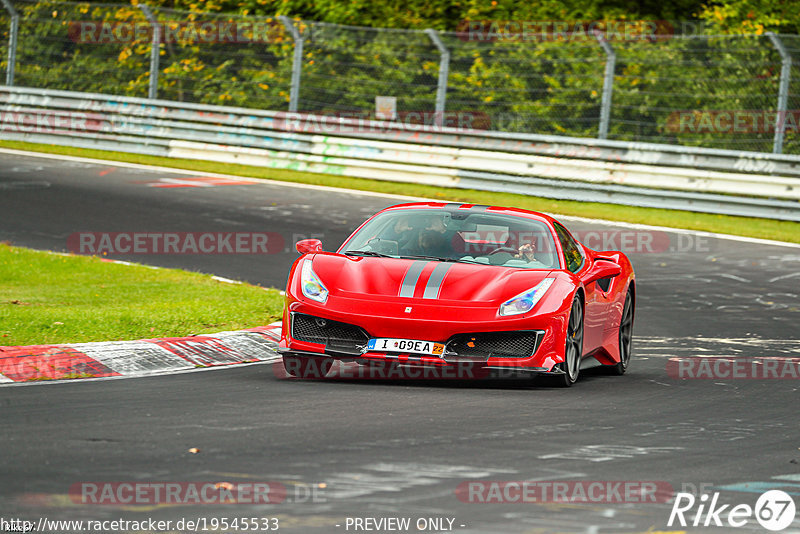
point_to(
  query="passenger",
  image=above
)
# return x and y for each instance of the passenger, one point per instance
(401, 232)
(527, 251)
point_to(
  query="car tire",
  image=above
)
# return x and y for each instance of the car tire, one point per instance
(307, 366)
(573, 348)
(625, 336)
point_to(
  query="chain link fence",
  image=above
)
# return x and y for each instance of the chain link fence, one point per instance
(726, 92)
(51, 54)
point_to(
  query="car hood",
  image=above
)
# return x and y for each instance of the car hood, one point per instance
(424, 280)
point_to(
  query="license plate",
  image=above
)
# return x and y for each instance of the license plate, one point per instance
(413, 346)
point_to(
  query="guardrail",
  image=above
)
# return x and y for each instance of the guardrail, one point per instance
(694, 179)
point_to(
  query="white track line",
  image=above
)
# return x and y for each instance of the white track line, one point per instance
(175, 170)
(729, 237)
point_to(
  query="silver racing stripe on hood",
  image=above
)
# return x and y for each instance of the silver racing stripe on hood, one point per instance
(411, 278)
(435, 281)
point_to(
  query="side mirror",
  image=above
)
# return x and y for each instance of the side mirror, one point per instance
(602, 269)
(307, 246)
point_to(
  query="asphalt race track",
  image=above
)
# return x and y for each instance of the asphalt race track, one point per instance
(401, 449)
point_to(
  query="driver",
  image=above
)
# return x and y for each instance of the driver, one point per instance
(433, 243)
(425, 233)
(451, 243)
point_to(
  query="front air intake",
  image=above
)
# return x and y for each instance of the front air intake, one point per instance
(485, 345)
(336, 336)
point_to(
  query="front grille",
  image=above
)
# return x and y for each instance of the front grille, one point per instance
(336, 336)
(481, 346)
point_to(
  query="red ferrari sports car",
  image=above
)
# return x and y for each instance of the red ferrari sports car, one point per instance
(442, 284)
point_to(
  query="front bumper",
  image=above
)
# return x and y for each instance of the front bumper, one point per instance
(398, 367)
(544, 357)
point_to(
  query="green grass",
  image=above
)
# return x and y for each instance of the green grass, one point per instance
(49, 298)
(725, 224)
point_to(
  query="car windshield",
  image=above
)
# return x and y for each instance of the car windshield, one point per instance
(450, 235)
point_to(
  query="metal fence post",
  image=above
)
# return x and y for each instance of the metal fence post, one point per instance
(12, 41)
(297, 61)
(608, 85)
(155, 51)
(783, 92)
(444, 72)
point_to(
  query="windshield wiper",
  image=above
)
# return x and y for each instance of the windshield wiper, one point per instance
(372, 253)
(437, 258)
(463, 260)
(366, 253)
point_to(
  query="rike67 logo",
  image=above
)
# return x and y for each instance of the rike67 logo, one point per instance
(774, 510)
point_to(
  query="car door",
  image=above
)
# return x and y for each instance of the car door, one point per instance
(595, 304)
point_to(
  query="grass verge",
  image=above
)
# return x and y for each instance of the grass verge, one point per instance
(724, 224)
(50, 298)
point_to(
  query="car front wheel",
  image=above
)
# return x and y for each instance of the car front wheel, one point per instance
(573, 349)
(625, 336)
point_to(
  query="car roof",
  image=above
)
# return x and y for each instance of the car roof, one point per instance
(477, 208)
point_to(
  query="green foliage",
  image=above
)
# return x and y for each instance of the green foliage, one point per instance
(50, 55)
(509, 82)
(752, 16)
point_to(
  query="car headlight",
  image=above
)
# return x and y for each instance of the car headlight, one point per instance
(312, 287)
(525, 301)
